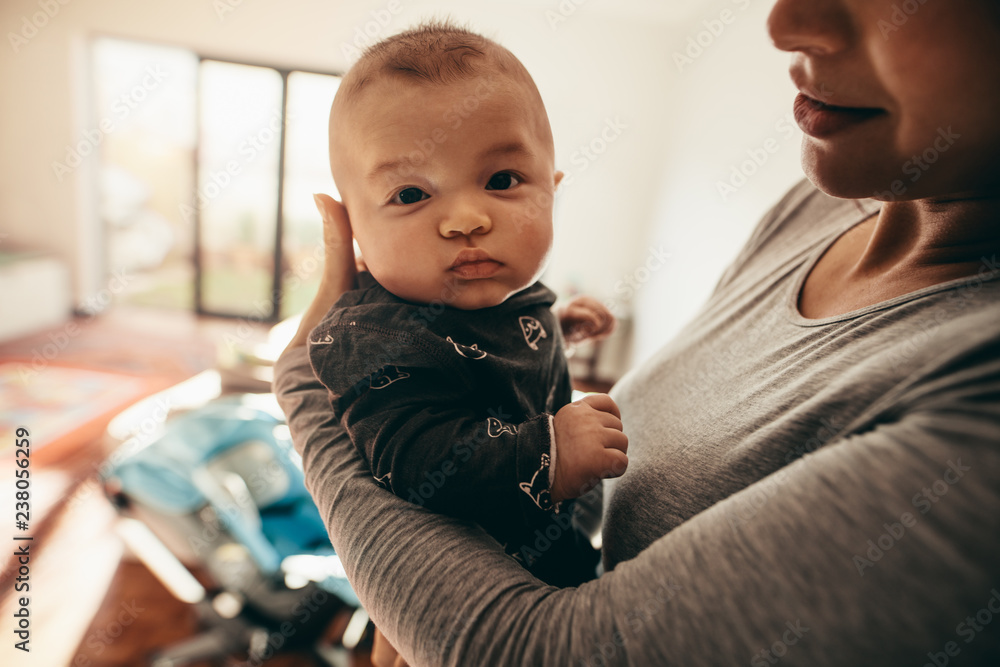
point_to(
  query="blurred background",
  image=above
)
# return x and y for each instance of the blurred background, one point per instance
(156, 218)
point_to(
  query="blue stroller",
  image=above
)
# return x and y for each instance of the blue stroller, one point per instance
(222, 487)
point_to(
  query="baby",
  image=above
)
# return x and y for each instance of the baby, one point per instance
(446, 364)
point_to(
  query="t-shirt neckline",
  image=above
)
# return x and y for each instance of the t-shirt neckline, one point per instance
(792, 298)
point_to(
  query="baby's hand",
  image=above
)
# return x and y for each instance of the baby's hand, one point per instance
(585, 317)
(590, 446)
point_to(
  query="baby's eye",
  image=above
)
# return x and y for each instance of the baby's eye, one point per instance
(409, 196)
(503, 180)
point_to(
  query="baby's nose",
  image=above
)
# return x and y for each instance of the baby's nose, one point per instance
(465, 220)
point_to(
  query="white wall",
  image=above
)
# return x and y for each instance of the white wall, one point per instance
(730, 105)
(597, 62)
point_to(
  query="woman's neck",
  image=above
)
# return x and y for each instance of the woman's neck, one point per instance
(905, 247)
(934, 237)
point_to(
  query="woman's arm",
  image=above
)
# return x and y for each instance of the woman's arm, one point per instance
(851, 560)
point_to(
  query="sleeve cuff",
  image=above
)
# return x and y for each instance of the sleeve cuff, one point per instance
(552, 451)
(534, 466)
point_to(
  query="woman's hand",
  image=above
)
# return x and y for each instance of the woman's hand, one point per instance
(585, 318)
(339, 265)
(383, 654)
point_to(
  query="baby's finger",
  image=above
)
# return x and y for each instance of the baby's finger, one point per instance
(608, 323)
(602, 402)
(588, 302)
(590, 312)
(614, 439)
(609, 420)
(605, 322)
(615, 463)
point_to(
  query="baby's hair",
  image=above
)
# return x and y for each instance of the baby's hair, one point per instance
(437, 52)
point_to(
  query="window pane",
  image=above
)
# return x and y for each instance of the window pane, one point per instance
(237, 198)
(307, 171)
(145, 105)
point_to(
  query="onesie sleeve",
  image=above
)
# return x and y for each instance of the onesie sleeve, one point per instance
(840, 564)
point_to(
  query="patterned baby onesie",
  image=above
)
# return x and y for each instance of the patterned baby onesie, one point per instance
(452, 410)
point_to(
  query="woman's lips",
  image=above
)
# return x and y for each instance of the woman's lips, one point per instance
(822, 120)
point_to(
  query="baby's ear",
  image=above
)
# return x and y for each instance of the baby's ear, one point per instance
(559, 177)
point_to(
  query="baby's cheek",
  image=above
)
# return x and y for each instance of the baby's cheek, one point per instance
(532, 224)
(535, 245)
(390, 274)
(390, 262)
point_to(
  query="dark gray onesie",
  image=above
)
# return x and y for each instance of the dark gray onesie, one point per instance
(452, 410)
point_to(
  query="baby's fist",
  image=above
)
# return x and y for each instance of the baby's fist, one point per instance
(590, 446)
(585, 317)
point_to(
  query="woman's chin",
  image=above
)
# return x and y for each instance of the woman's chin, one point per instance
(847, 178)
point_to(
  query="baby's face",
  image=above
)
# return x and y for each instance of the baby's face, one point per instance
(449, 188)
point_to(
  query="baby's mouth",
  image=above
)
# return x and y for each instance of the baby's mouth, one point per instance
(473, 264)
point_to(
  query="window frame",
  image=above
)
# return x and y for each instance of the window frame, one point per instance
(276, 277)
(284, 71)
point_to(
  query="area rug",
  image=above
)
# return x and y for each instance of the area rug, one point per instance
(63, 407)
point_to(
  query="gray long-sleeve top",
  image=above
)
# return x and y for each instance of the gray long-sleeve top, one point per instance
(800, 492)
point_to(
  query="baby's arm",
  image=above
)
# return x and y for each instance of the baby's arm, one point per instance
(427, 444)
(426, 441)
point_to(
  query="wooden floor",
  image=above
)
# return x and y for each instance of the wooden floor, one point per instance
(139, 616)
(92, 603)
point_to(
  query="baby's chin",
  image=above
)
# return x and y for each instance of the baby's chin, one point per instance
(477, 303)
(462, 295)
(476, 296)
(480, 294)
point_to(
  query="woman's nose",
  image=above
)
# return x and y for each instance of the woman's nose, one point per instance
(465, 219)
(814, 27)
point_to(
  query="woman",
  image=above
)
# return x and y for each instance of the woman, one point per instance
(814, 470)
